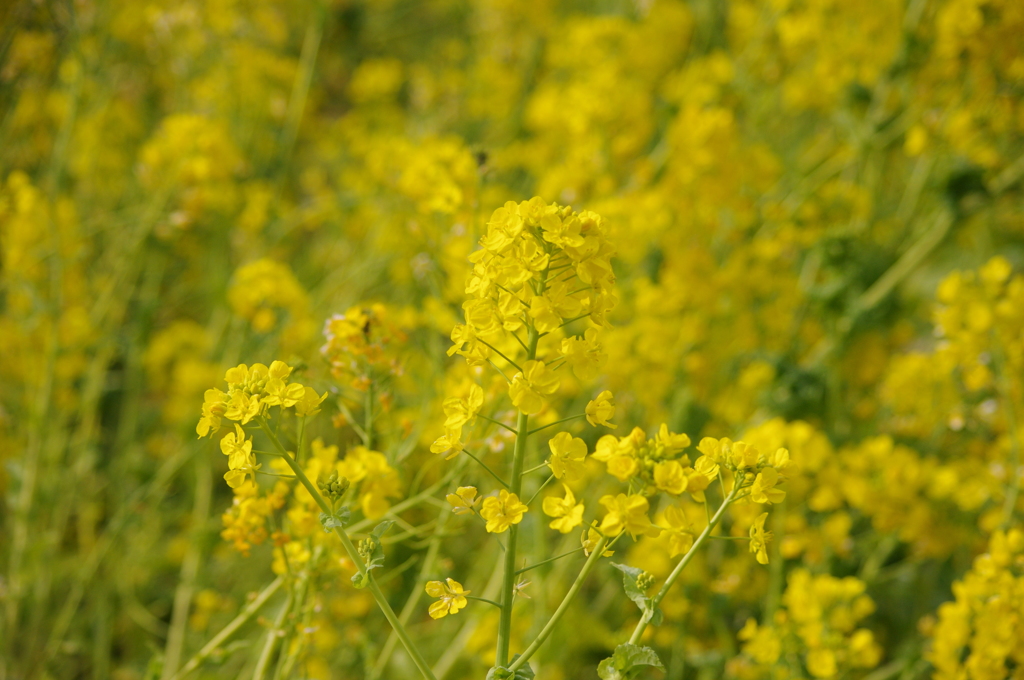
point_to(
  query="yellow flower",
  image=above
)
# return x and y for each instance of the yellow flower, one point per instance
(450, 441)
(627, 513)
(759, 538)
(623, 467)
(452, 597)
(461, 410)
(567, 456)
(584, 355)
(309, 404)
(502, 512)
(236, 477)
(601, 409)
(463, 500)
(669, 477)
(242, 407)
(744, 455)
(529, 387)
(567, 512)
(214, 408)
(545, 319)
(763, 489)
(279, 393)
(680, 531)
(590, 538)
(236, 447)
(821, 663)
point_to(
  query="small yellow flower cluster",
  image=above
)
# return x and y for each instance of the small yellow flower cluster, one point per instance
(750, 465)
(245, 522)
(657, 463)
(981, 315)
(196, 155)
(361, 342)
(267, 294)
(978, 635)
(816, 629)
(252, 390)
(540, 266)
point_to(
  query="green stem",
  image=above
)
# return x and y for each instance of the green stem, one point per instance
(272, 638)
(229, 630)
(484, 466)
(500, 354)
(483, 599)
(557, 422)
(498, 422)
(508, 582)
(641, 626)
(537, 493)
(353, 554)
(563, 607)
(547, 561)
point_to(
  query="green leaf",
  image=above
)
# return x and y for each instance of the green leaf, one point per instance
(339, 519)
(524, 673)
(627, 661)
(633, 592)
(381, 528)
(360, 581)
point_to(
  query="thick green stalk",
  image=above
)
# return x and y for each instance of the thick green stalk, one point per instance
(508, 582)
(641, 626)
(563, 607)
(353, 554)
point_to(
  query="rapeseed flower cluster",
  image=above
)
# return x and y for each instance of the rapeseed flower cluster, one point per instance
(796, 229)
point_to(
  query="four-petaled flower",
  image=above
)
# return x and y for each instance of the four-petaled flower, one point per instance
(452, 597)
(502, 511)
(567, 513)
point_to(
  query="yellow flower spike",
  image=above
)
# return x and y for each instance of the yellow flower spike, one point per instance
(759, 538)
(463, 500)
(530, 386)
(627, 513)
(763, 489)
(502, 511)
(568, 454)
(567, 513)
(452, 597)
(601, 409)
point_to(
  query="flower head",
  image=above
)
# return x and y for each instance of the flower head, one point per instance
(502, 511)
(452, 597)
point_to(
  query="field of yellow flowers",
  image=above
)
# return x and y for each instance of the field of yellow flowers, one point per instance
(512, 339)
